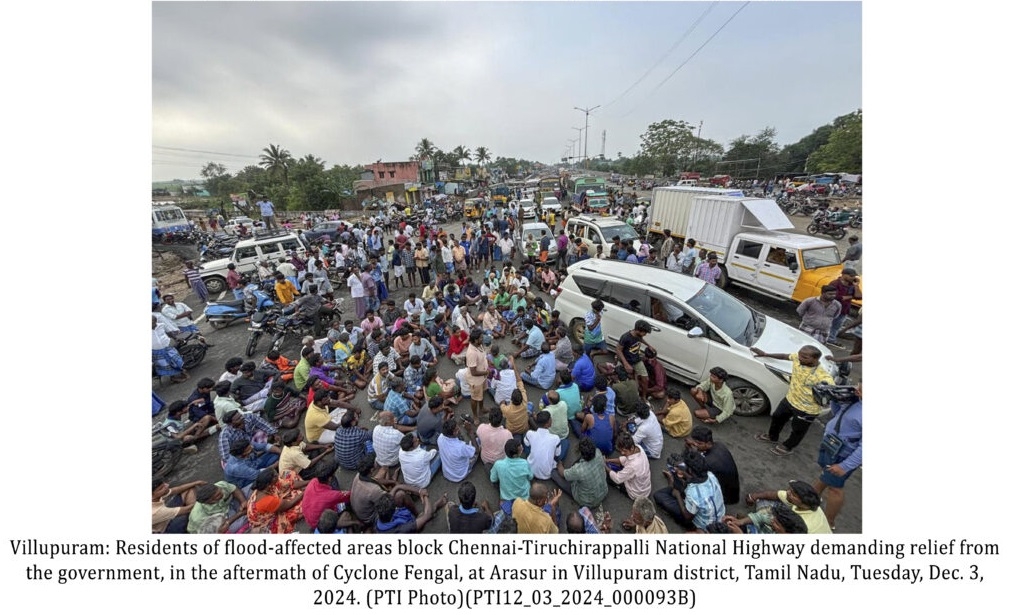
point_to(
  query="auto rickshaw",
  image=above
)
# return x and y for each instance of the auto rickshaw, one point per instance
(474, 208)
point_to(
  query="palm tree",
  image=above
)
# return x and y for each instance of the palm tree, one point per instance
(424, 149)
(275, 160)
(461, 153)
(482, 155)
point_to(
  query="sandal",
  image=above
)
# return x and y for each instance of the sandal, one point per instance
(763, 437)
(781, 451)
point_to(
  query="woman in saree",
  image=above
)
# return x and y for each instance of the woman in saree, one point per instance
(275, 502)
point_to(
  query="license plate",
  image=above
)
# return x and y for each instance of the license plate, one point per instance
(253, 329)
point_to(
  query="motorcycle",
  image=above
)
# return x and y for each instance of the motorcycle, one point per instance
(223, 313)
(190, 349)
(166, 452)
(263, 321)
(823, 223)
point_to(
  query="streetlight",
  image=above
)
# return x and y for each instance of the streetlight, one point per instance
(587, 112)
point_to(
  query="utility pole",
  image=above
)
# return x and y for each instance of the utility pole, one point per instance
(587, 112)
(697, 150)
(580, 138)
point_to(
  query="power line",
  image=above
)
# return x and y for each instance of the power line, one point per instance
(667, 53)
(692, 55)
(200, 151)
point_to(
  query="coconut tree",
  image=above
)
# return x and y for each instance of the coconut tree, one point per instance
(461, 152)
(277, 160)
(482, 155)
(424, 149)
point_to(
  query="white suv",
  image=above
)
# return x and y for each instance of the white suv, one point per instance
(600, 230)
(269, 246)
(697, 326)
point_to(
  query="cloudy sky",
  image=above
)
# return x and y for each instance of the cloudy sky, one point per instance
(355, 82)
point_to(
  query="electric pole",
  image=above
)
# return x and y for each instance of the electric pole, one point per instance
(587, 112)
(580, 139)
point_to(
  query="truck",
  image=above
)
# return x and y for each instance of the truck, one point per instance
(747, 235)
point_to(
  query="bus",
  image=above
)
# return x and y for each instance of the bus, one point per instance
(579, 186)
(168, 218)
(547, 186)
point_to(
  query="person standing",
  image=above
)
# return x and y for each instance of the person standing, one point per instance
(268, 213)
(193, 276)
(674, 259)
(477, 372)
(709, 271)
(854, 254)
(799, 404)
(689, 257)
(629, 354)
(846, 290)
(817, 313)
(667, 245)
(841, 453)
(357, 292)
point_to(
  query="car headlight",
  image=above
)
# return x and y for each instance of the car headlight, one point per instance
(783, 376)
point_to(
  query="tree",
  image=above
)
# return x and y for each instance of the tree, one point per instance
(424, 149)
(749, 154)
(216, 178)
(666, 142)
(461, 153)
(276, 160)
(482, 155)
(844, 150)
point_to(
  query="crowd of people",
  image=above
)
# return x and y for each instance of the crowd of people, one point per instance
(474, 312)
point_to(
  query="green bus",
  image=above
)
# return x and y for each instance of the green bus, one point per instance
(579, 186)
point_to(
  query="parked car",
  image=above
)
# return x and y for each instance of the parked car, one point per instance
(270, 247)
(327, 228)
(528, 206)
(600, 230)
(535, 228)
(251, 225)
(696, 326)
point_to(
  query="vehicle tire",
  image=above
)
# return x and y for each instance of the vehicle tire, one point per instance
(812, 228)
(165, 460)
(252, 344)
(219, 324)
(856, 223)
(577, 327)
(723, 279)
(839, 233)
(215, 284)
(277, 342)
(750, 400)
(193, 354)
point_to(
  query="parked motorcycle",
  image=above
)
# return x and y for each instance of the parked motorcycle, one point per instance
(166, 452)
(190, 349)
(262, 322)
(223, 313)
(823, 223)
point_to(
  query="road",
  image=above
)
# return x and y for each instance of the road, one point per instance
(759, 469)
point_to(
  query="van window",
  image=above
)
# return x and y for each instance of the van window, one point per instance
(245, 252)
(777, 256)
(589, 286)
(751, 249)
(271, 250)
(290, 244)
(630, 298)
(593, 236)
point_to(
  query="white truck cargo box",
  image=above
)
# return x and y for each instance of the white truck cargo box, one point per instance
(714, 220)
(670, 206)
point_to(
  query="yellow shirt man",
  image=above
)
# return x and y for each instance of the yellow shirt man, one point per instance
(315, 421)
(286, 291)
(532, 519)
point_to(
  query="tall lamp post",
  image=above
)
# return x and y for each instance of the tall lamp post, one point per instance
(587, 112)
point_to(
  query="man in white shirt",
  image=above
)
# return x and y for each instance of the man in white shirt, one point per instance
(648, 434)
(165, 358)
(502, 386)
(414, 306)
(544, 447)
(386, 440)
(419, 465)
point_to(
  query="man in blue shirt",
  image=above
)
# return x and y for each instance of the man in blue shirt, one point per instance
(533, 343)
(458, 457)
(842, 454)
(243, 465)
(544, 373)
(569, 392)
(583, 369)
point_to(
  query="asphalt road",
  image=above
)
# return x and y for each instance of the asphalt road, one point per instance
(759, 469)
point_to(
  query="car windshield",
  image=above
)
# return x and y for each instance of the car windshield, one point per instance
(728, 314)
(821, 257)
(625, 232)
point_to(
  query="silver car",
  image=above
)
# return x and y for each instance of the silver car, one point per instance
(535, 228)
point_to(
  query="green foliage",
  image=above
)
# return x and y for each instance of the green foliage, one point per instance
(843, 152)
(482, 155)
(671, 146)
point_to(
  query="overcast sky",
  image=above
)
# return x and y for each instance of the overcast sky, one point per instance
(355, 82)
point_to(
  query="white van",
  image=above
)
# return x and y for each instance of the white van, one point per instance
(696, 326)
(265, 246)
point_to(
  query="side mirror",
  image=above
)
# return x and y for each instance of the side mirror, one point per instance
(695, 332)
(793, 265)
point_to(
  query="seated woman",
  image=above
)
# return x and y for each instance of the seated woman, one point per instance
(344, 390)
(275, 502)
(283, 365)
(447, 390)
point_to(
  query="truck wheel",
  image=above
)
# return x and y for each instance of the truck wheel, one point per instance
(723, 279)
(812, 228)
(215, 284)
(750, 401)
